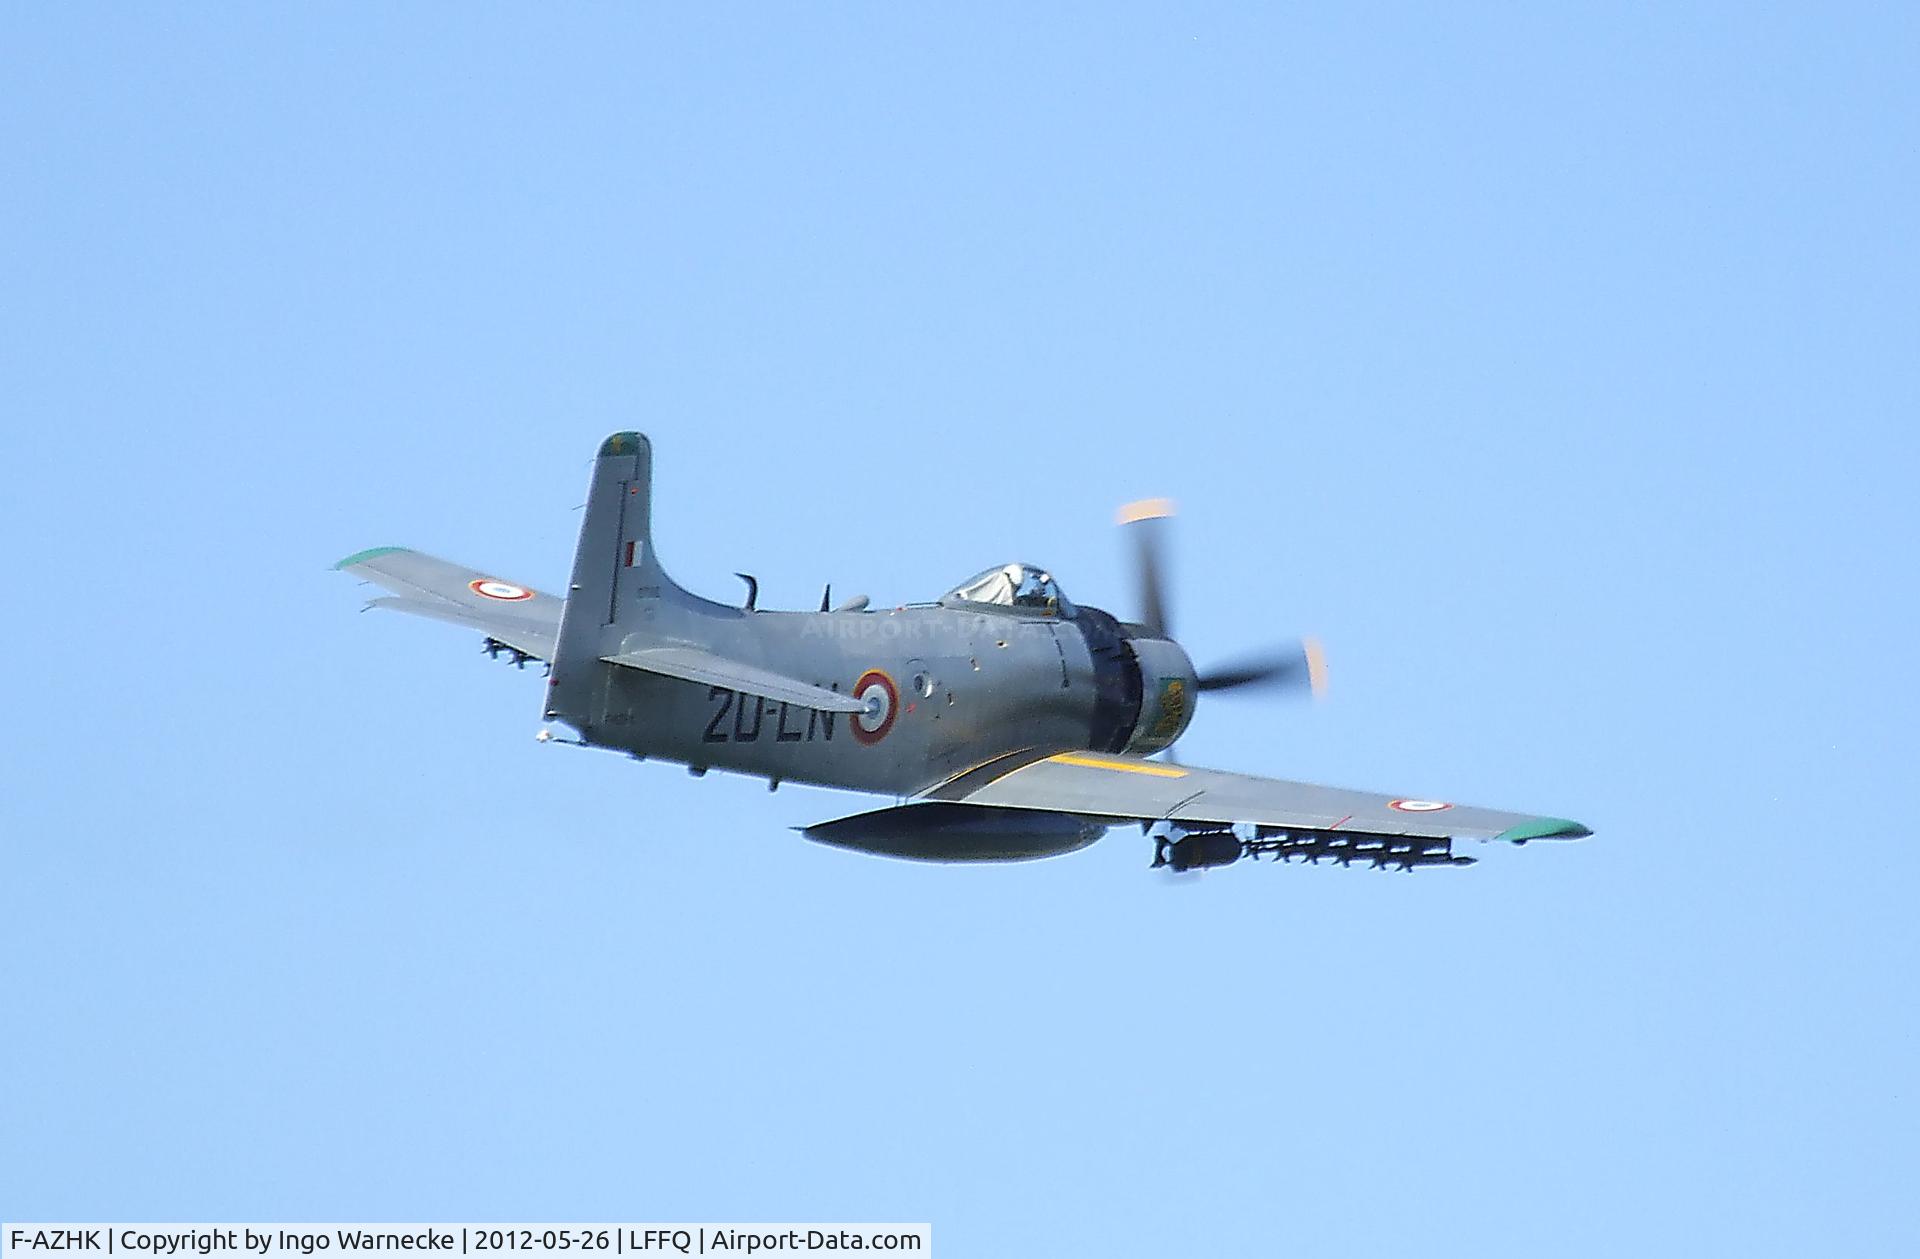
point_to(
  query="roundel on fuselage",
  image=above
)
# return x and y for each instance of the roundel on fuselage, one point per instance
(877, 691)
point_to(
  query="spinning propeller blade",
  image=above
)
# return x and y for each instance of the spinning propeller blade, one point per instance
(1147, 518)
(1301, 667)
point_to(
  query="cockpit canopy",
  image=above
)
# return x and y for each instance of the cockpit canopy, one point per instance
(1021, 586)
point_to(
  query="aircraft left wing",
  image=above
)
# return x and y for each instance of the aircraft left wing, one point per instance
(1133, 788)
(523, 618)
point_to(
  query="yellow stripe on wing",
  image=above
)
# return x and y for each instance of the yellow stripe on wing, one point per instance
(1125, 767)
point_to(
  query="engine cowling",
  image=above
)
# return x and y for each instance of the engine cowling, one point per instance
(1144, 687)
(1168, 688)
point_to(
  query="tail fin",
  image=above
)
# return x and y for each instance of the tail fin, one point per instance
(613, 568)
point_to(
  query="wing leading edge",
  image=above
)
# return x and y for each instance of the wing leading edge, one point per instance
(1133, 788)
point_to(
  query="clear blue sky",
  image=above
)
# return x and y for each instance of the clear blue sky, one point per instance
(1557, 367)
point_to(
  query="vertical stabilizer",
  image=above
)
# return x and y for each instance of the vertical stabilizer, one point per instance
(614, 570)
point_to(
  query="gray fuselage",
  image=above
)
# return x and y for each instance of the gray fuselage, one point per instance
(1002, 665)
(966, 687)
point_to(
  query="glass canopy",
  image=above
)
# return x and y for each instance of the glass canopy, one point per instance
(1014, 586)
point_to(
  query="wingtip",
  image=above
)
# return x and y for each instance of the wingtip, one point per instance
(361, 557)
(1545, 828)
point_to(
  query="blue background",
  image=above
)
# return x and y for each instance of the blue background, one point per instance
(1558, 368)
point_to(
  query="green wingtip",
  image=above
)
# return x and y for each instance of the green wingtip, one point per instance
(628, 443)
(1544, 828)
(361, 557)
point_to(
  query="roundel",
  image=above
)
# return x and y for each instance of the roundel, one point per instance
(494, 588)
(882, 698)
(1417, 806)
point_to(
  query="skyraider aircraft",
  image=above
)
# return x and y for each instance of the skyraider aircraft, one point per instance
(1018, 724)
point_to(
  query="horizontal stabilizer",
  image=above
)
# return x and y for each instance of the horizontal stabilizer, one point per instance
(691, 664)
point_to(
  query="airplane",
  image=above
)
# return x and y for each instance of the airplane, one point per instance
(1012, 722)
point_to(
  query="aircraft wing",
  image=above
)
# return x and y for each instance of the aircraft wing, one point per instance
(693, 664)
(519, 616)
(1121, 787)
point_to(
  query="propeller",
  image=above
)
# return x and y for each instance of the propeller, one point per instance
(1148, 519)
(1295, 668)
(1306, 662)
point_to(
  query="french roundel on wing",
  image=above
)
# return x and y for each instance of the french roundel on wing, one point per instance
(876, 690)
(494, 588)
(1418, 806)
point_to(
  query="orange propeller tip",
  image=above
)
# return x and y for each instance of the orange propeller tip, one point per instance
(1316, 667)
(1145, 509)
